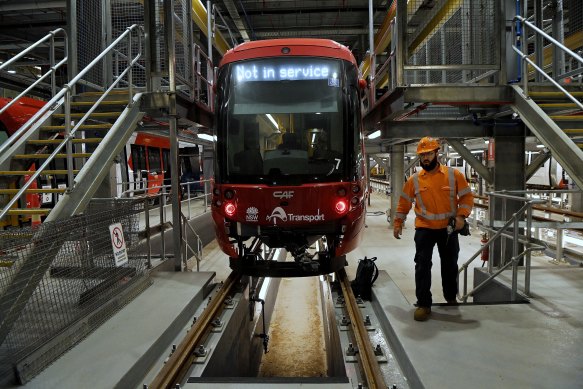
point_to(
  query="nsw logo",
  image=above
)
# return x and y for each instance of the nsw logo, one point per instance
(277, 213)
(252, 214)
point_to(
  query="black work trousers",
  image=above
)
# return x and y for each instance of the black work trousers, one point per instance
(425, 240)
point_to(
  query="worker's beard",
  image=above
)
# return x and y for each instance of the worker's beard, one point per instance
(429, 166)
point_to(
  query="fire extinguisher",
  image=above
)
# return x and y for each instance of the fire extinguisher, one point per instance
(486, 250)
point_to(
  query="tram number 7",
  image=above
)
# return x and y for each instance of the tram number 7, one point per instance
(338, 160)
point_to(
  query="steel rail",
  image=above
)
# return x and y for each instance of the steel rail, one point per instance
(181, 359)
(372, 371)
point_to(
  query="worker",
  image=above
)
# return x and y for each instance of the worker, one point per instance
(440, 193)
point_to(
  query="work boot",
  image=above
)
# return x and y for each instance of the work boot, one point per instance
(422, 313)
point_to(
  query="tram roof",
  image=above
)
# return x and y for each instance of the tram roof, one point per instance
(298, 47)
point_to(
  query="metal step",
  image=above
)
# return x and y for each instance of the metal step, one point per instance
(558, 105)
(91, 103)
(78, 115)
(104, 126)
(45, 156)
(30, 173)
(574, 118)
(58, 141)
(553, 95)
(29, 211)
(113, 92)
(15, 191)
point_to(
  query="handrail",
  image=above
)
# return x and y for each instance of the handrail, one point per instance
(525, 60)
(224, 25)
(198, 252)
(52, 71)
(130, 191)
(65, 93)
(514, 221)
(198, 77)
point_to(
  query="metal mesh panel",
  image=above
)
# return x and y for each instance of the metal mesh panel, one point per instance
(123, 15)
(90, 42)
(574, 32)
(183, 35)
(72, 265)
(451, 33)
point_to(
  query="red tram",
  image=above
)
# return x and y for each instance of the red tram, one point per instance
(290, 162)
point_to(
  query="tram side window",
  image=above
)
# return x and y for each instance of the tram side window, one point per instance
(154, 160)
(166, 166)
(138, 157)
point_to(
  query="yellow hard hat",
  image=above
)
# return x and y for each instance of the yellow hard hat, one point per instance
(427, 144)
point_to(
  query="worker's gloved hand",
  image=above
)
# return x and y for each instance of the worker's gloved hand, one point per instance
(397, 231)
(461, 226)
(460, 222)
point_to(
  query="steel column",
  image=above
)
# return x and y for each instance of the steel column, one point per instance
(397, 177)
(107, 39)
(401, 41)
(174, 165)
(558, 34)
(538, 39)
(72, 64)
(509, 173)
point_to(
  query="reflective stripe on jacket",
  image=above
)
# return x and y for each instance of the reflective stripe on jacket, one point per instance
(437, 196)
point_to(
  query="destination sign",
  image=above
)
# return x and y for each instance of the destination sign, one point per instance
(270, 71)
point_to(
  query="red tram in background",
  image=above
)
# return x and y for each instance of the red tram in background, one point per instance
(290, 167)
(148, 163)
(18, 113)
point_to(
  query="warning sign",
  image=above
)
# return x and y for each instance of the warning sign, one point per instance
(118, 244)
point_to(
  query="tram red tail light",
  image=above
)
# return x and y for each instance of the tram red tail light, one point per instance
(230, 209)
(341, 206)
(354, 201)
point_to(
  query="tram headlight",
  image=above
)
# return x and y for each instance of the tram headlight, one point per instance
(229, 194)
(341, 192)
(341, 206)
(230, 209)
(355, 188)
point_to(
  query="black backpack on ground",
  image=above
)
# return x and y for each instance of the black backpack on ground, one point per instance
(366, 274)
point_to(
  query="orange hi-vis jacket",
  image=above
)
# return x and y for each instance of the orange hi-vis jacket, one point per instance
(437, 196)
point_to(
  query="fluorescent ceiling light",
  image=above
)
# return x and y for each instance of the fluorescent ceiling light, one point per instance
(540, 146)
(375, 134)
(477, 151)
(272, 120)
(208, 137)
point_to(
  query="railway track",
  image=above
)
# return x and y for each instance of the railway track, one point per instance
(179, 362)
(353, 360)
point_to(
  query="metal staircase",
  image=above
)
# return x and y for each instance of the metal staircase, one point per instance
(553, 112)
(66, 148)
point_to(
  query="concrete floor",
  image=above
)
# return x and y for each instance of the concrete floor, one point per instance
(536, 345)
